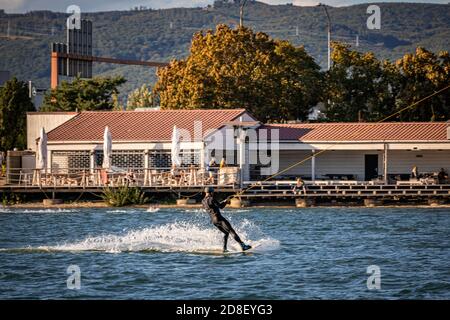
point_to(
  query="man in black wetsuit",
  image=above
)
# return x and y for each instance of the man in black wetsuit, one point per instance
(213, 207)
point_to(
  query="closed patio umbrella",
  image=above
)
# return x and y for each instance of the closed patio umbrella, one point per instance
(107, 149)
(41, 159)
(175, 151)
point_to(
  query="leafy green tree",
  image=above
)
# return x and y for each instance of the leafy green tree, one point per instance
(355, 86)
(83, 94)
(361, 87)
(14, 105)
(140, 98)
(237, 68)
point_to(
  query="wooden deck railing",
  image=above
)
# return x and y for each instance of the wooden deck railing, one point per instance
(140, 177)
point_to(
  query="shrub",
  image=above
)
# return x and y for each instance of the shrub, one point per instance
(123, 196)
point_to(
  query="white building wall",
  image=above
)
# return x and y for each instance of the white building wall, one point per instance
(345, 162)
(328, 162)
(48, 121)
(353, 162)
(224, 139)
(401, 162)
(60, 163)
(290, 157)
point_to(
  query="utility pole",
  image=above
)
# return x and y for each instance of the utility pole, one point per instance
(329, 34)
(241, 12)
(8, 30)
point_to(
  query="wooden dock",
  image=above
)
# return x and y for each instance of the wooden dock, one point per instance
(350, 191)
(100, 189)
(269, 191)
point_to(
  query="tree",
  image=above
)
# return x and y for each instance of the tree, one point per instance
(14, 105)
(359, 86)
(424, 73)
(117, 106)
(356, 87)
(83, 94)
(241, 69)
(140, 98)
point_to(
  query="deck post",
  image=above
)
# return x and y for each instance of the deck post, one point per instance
(203, 156)
(146, 162)
(241, 142)
(313, 166)
(49, 163)
(239, 203)
(303, 202)
(385, 164)
(92, 161)
(372, 202)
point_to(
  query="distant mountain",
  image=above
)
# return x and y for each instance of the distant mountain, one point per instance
(161, 35)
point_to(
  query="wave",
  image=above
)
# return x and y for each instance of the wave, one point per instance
(18, 210)
(172, 237)
(118, 211)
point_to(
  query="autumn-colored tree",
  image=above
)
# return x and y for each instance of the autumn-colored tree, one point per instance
(140, 98)
(117, 105)
(83, 94)
(237, 68)
(424, 73)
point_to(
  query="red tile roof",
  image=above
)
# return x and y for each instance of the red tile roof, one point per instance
(352, 132)
(157, 125)
(154, 125)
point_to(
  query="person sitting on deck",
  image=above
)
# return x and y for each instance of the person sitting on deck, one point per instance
(223, 163)
(442, 176)
(212, 162)
(129, 178)
(415, 172)
(299, 187)
(173, 177)
(209, 170)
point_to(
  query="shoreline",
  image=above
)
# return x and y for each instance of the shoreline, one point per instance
(101, 205)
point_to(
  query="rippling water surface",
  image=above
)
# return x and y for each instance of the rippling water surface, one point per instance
(317, 253)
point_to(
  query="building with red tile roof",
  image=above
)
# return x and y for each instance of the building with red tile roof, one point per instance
(132, 126)
(367, 132)
(360, 151)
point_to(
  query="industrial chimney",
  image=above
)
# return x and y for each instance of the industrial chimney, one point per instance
(448, 130)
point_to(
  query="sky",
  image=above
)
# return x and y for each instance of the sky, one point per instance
(16, 6)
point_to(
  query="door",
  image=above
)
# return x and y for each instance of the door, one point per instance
(371, 166)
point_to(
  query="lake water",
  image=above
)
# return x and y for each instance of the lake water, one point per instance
(316, 253)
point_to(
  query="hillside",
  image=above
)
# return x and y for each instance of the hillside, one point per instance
(161, 35)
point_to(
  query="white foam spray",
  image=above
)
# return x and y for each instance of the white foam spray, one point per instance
(172, 237)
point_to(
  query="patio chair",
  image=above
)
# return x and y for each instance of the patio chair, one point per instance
(25, 178)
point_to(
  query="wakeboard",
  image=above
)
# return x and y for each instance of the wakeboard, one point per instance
(220, 252)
